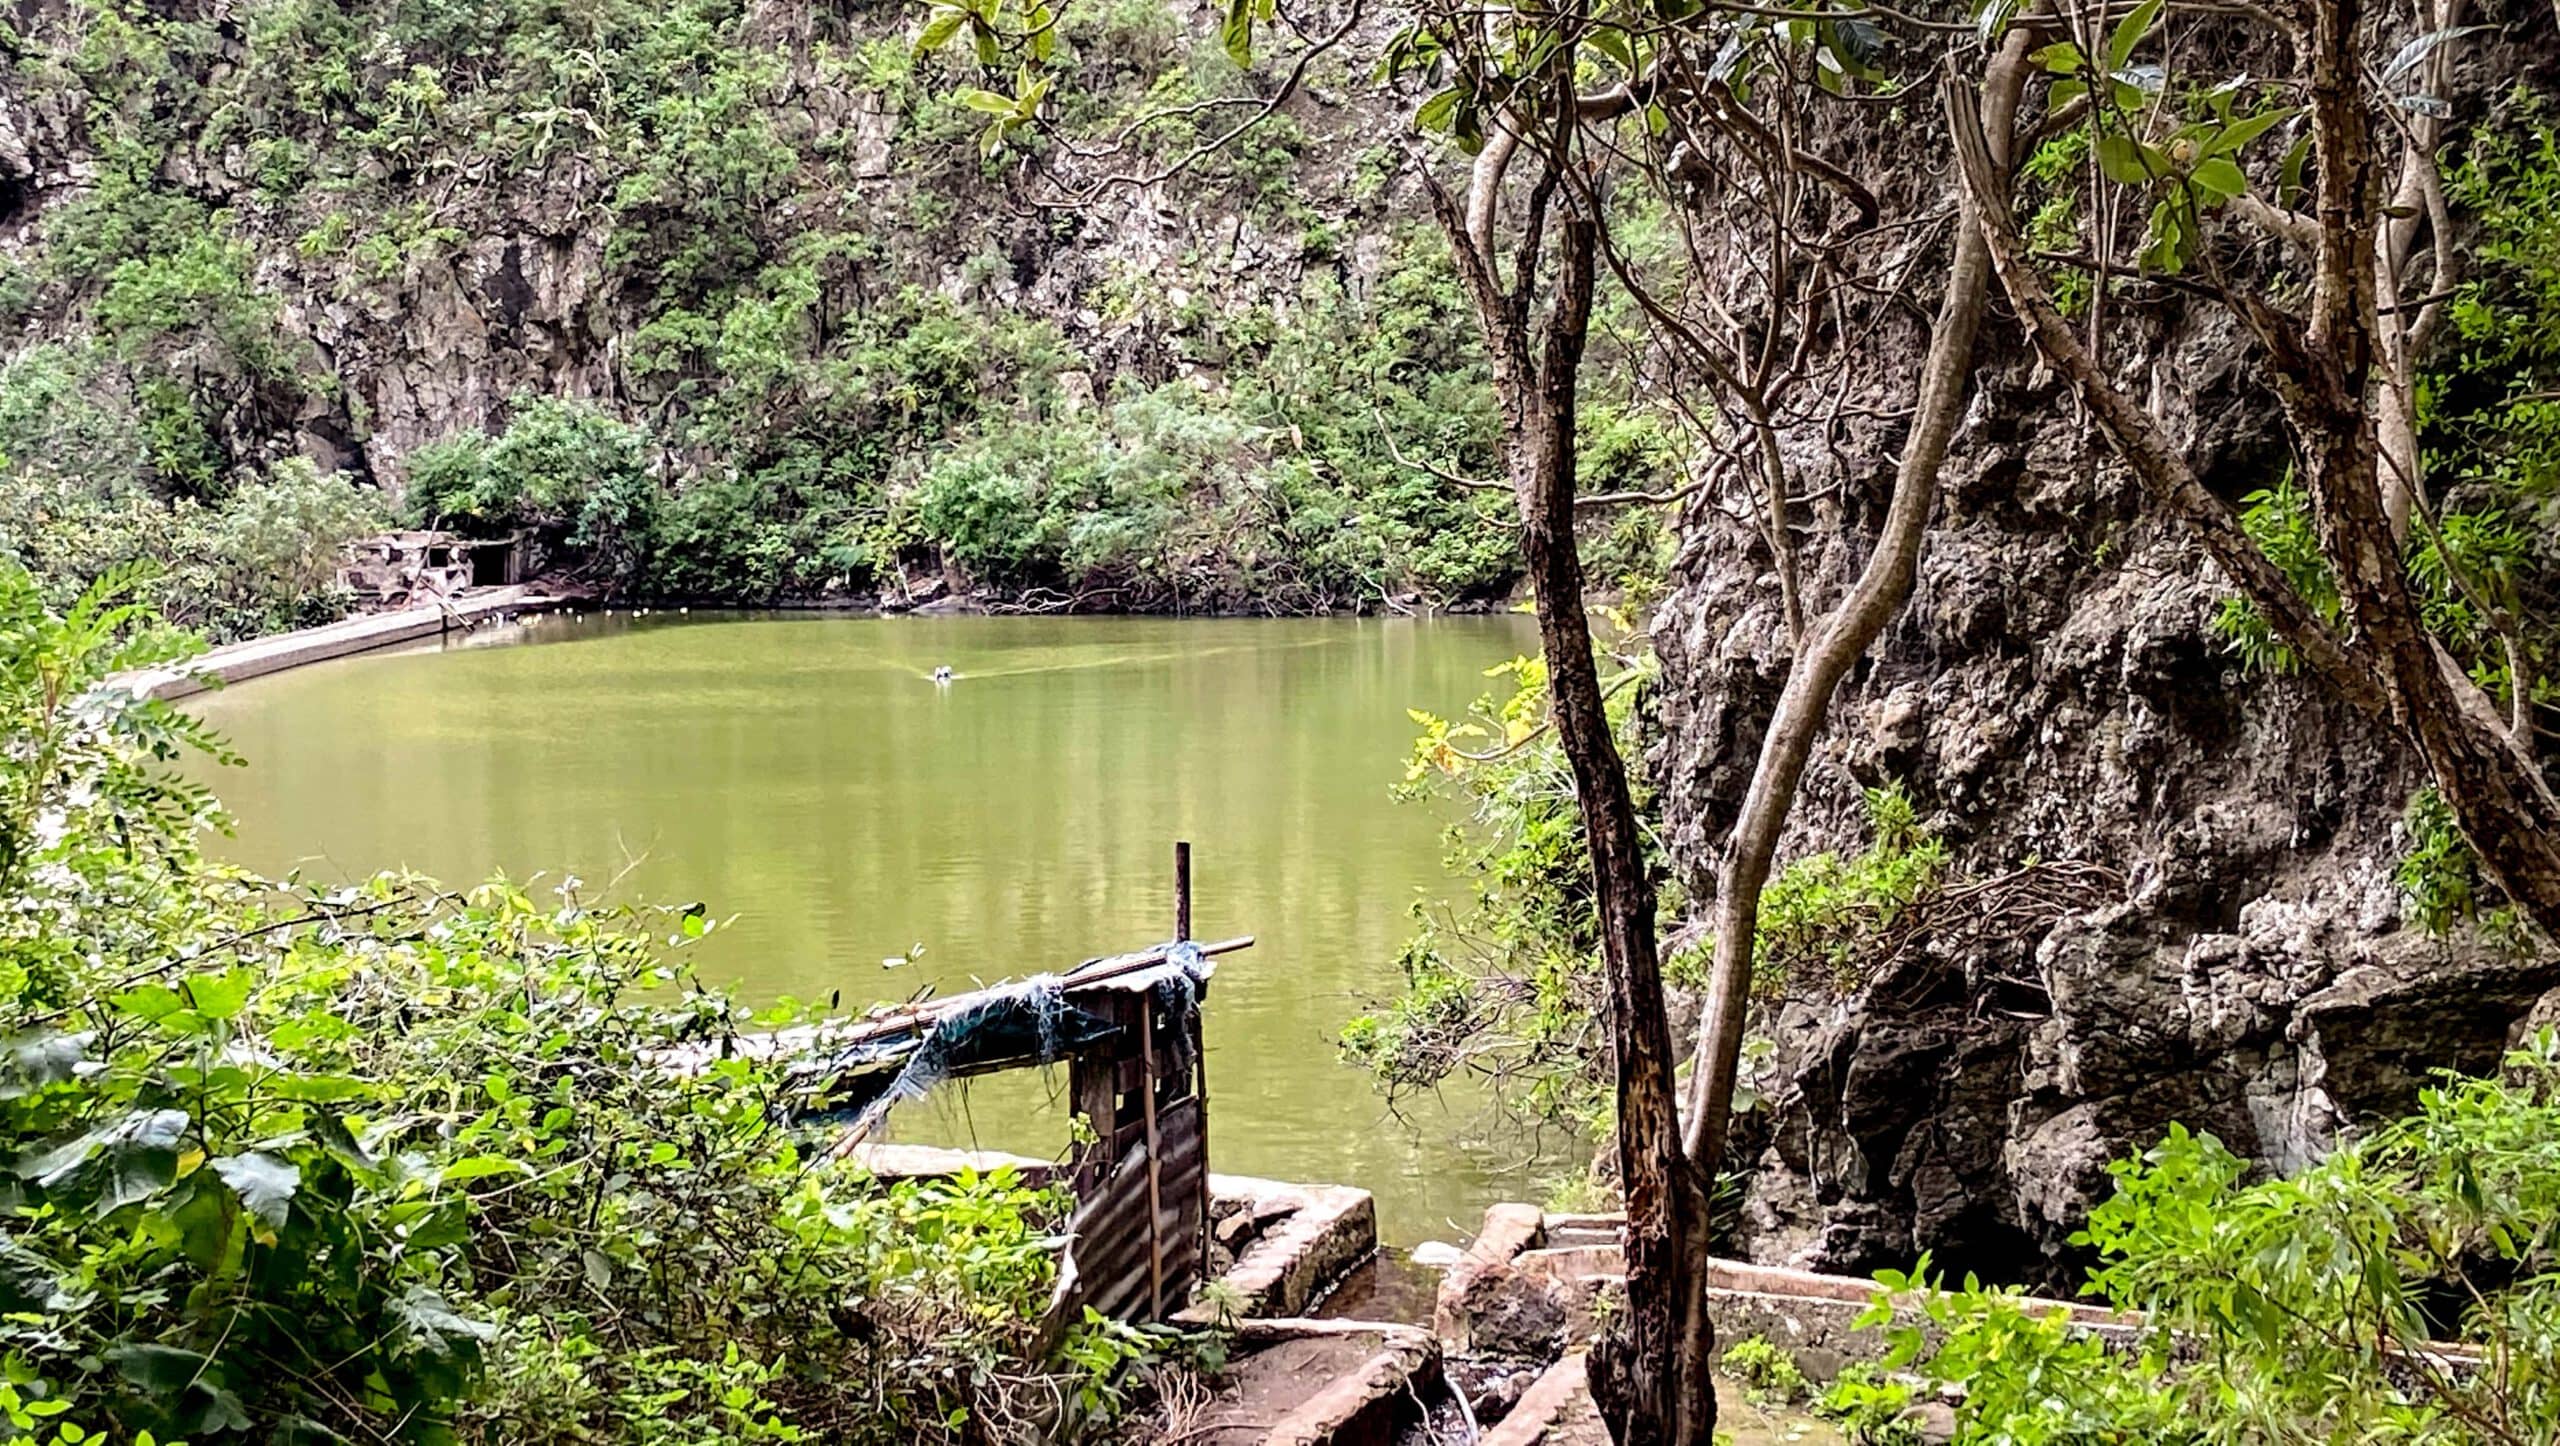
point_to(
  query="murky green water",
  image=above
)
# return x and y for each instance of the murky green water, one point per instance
(806, 775)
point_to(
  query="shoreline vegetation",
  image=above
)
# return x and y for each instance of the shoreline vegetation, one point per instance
(387, 1161)
(2092, 475)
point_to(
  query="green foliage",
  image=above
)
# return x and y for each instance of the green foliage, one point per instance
(66, 408)
(2185, 169)
(2488, 418)
(2302, 1310)
(2489, 400)
(566, 470)
(2055, 171)
(196, 291)
(267, 559)
(1871, 1407)
(1819, 912)
(2439, 876)
(818, 408)
(263, 559)
(388, 1163)
(1508, 985)
(2279, 520)
(1766, 1372)
(2479, 554)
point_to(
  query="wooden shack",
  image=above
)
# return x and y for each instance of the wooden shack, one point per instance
(1128, 1029)
(1141, 1225)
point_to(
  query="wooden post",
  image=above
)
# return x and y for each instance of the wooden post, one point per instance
(1200, 1090)
(1199, 1043)
(1155, 1156)
(1181, 890)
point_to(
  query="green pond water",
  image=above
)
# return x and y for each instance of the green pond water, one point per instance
(805, 775)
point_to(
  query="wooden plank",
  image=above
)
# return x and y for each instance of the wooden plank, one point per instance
(1155, 1172)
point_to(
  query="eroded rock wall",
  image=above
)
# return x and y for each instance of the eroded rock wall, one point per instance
(2053, 692)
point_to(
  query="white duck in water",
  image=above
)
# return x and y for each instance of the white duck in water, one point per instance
(944, 674)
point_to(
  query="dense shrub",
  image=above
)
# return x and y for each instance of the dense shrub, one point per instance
(1507, 984)
(2290, 1312)
(385, 1162)
(567, 471)
(264, 559)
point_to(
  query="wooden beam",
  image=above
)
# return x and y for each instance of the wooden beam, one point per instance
(1155, 1164)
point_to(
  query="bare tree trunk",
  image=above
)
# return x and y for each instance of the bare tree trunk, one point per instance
(2401, 329)
(1843, 637)
(1649, 1376)
(2493, 784)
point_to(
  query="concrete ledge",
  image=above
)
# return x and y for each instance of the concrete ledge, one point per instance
(1365, 1405)
(1301, 1382)
(258, 657)
(1319, 1233)
(1477, 1289)
(1564, 1387)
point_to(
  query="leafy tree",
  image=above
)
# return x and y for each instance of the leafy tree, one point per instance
(2340, 360)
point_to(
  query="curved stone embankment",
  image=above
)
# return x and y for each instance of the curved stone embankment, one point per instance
(237, 662)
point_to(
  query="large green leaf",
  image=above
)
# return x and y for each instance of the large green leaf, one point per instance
(317, 1088)
(939, 30)
(2240, 132)
(264, 1183)
(123, 1162)
(2129, 32)
(1235, 32)
(2123, 160)
(480, 1167)
(428, 1324)
(152, 1003)
(43, 1057)
(223, 995)
(1437, 113)
(158, 1369)
(2219, 178)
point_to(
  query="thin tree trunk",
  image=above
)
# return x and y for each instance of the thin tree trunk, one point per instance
(1649, 1377)
(1843, 638)
(2492, 783)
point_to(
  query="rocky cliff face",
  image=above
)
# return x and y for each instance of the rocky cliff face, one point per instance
(759, 249)
(509, 242)
(2228, 950)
